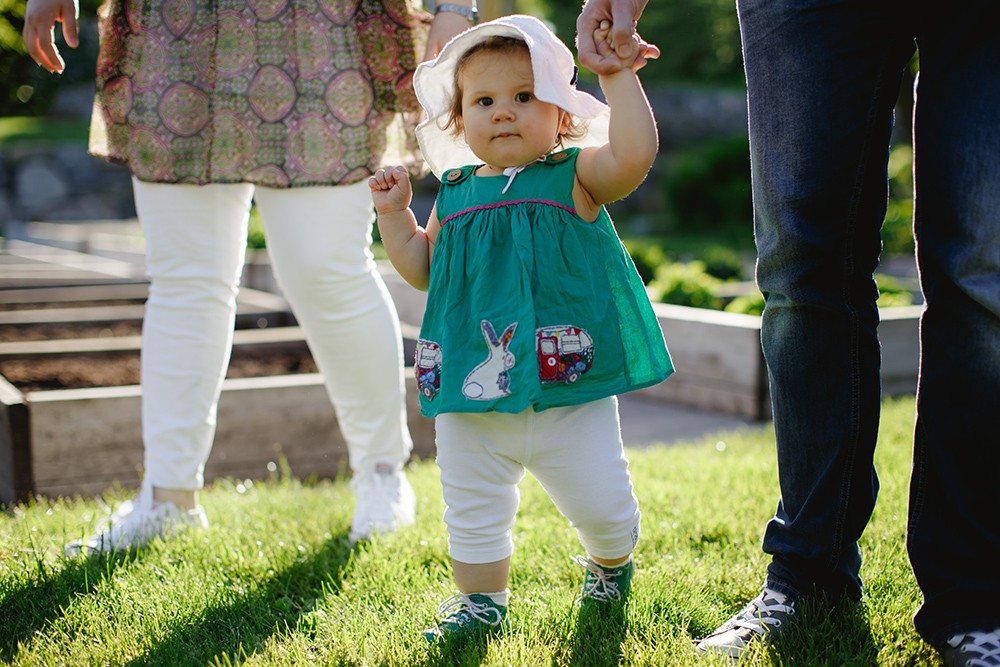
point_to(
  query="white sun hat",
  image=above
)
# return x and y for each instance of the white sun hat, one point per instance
(554, 72)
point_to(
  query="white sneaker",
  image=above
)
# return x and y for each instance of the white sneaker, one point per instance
(975, 649)
(136, 523)
(765, 614)
(385, 502)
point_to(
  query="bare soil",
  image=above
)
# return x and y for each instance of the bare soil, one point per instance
(121, 368)
(25, 332)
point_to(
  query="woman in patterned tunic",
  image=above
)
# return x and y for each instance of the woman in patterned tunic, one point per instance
(290, 104)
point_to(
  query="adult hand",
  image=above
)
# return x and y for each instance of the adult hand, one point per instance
(623, 15)
(445, 26)
(639, 53)
(40, 18)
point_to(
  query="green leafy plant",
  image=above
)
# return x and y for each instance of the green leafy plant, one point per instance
(897, 230)
(685, 284)
(699, 40)
(28, 89)
(255, 230)
(893, 291)
(748, 304)
(708, 187)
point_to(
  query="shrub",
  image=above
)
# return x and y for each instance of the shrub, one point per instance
(749, 304)
(28, 90)
(685, 284)
(722, 262)
(897, 230)
(893, 292)
(646, 255)
(708, 186)
(255, 230)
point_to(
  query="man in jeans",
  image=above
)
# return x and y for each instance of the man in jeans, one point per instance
(823, 77)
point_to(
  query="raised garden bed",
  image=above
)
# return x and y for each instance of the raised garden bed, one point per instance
(720, 365)
(65, 440)
(70, 399)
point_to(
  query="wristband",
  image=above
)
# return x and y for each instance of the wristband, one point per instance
(467, 12)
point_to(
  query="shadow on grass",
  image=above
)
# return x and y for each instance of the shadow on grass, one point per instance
(597, 637)
(470, 654)
(826, 635)
(231, 632)
(31, 608)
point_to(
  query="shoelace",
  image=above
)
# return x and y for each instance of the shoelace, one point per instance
(602, 586)
(763, 610)
(984, 645)
(459, 608)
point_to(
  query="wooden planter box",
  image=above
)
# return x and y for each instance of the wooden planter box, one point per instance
(720, 365)
(84, 441)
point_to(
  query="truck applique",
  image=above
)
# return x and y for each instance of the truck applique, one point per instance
(427, 365)
(564, 353)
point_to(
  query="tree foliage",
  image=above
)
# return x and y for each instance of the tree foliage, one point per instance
(28, 88)
(699, 39)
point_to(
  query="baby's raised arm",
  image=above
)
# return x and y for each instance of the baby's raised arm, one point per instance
(610, 172)
(409, 247)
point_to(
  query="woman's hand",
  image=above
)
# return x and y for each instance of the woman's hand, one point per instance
(445, 26)
(40, 18)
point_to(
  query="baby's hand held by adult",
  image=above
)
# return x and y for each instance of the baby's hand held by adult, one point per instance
(634, 54)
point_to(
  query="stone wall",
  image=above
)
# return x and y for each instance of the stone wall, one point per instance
(63, 182)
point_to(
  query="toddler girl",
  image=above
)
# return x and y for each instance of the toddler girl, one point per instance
(536, 317)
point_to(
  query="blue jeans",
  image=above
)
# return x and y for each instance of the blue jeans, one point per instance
(823, 77)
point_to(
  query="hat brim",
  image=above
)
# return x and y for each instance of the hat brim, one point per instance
(553, 70)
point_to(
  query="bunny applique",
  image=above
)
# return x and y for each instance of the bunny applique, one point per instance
(491, 379)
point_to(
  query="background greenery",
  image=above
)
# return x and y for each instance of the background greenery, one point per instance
(28, 89)
(696, 235)
(703, 47)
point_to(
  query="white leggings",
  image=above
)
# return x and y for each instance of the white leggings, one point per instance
(575, 453)
(318, 240)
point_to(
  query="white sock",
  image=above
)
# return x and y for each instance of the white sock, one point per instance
(500, 597)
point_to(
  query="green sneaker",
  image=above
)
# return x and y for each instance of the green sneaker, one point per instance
(467, 617)
(605, 586)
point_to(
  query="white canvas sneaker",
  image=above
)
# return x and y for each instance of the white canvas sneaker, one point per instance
(137, 522)
(975, 649)
(765, 614)
(385, 502)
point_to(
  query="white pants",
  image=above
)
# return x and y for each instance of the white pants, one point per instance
(575, 453)
(318, 240)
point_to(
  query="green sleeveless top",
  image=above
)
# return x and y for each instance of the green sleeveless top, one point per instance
(529, 305)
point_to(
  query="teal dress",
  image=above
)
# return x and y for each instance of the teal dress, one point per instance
(528, 305)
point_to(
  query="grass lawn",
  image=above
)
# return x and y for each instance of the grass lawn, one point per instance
(30, 130)
(276, 581)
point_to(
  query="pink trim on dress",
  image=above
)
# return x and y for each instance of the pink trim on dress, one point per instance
(508, 203)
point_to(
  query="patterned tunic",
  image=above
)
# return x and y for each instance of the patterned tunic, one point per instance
(529, 305)
(282, 93)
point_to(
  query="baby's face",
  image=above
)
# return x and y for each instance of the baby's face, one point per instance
(505, 125)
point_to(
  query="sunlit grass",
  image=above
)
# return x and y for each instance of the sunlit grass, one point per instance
(276, 582)
(41, 131)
